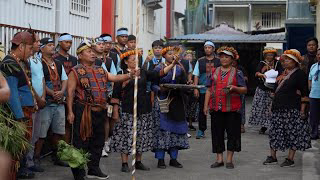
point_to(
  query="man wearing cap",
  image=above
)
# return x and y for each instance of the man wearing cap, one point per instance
(202, 67)
(22, 103)
(68, 61)
(107, 39)
(87, 104)
(54, 112)
(38, 83)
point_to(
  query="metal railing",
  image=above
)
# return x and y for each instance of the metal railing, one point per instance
(7, 32)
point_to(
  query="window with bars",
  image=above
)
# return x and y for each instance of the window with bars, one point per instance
(44, 3)
(271, 19)
(80, 7)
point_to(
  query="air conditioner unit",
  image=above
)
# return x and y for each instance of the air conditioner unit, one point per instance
(154, 4)
(313, 2)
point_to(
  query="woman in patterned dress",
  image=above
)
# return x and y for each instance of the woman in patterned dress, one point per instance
(261, 105)
(122, 138)
(170, 132)
(289, 129)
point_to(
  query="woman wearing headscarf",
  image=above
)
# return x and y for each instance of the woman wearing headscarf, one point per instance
(170, 132)
(224, 102)
(122, 138)
(261, 105)
(288, 127)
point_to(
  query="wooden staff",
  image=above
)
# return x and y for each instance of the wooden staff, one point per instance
(134, 143)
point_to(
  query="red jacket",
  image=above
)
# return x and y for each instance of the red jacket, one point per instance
(229, 102)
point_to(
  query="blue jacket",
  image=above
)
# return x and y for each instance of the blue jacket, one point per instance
(20, 93)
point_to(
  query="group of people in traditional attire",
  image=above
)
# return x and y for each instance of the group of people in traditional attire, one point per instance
(88, 100)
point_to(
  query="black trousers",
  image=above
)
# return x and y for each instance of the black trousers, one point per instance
(229, 122)
(202, 118)
(314, 116)
(94, 144)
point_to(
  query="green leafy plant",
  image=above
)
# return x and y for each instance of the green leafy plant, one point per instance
(12, 136)
(76, 158)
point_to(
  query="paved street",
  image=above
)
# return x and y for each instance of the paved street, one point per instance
(197, 161)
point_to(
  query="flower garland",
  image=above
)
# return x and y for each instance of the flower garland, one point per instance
(166, 49)
(229, 49)
(269, 50)
(296, 53)
(129, 53)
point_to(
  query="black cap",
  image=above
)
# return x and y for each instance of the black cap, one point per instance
(45, 41)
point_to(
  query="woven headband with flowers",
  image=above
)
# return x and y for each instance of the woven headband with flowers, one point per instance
(84, 47)
(270, 50)
(230, 49)
(129, 53)
(296, 54)
(166, 49)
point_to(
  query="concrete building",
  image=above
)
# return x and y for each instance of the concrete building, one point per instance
(90, 18)
(158, 19)
(51, 17)
(248, 15)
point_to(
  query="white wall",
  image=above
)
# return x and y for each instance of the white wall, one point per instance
(240, 17)
(20, 13)
(127, 18)
(258, 9)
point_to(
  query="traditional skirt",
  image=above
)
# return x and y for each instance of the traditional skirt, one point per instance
(289, 131)
(192, 108)
(261, 108)
(243, 109)
(122, 138)
(165, 140)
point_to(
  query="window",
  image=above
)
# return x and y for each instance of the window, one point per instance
(80, 7)
(150, 20)
(271, 19)
(43, 3)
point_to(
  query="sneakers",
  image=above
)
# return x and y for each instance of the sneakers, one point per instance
(287, 163)
(96, 174)
(107, 146)
(104, 153)
(270, 160)
(200, 134)
(37, 166)
(188, 135)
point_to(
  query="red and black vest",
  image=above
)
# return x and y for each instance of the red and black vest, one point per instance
(92, 85)
(229, 102)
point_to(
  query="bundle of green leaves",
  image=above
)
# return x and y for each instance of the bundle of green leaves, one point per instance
(12, 136)
(76, 158)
